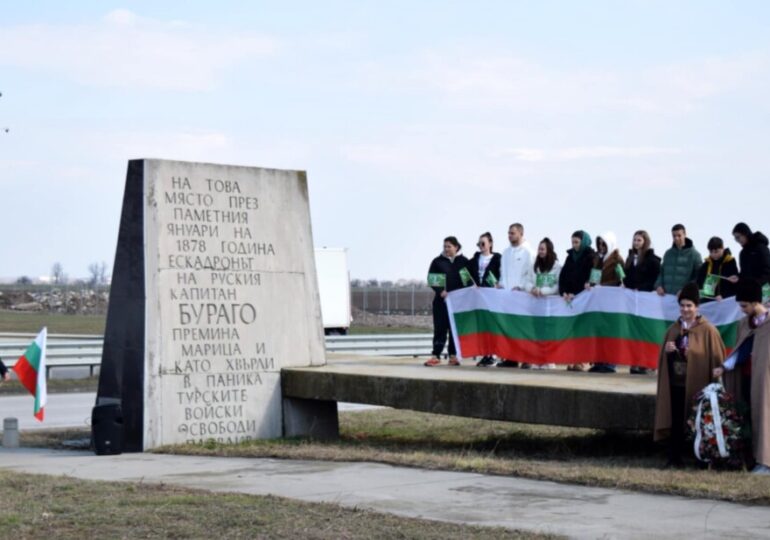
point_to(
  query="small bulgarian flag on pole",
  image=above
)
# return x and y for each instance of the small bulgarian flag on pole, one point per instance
(30, 369)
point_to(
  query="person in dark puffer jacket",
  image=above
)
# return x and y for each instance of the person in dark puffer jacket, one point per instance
(642, 269)
(755, 254)
(449, 263)
(575, 274)
(681, 263)
(720, 262)
(642, 265)
(577, 267)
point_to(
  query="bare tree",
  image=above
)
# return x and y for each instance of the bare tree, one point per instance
(97, 273)
(57, 274)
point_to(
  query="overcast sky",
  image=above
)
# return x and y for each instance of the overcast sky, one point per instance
(414, 120)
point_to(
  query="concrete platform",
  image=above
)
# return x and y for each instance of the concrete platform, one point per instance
(554, 397)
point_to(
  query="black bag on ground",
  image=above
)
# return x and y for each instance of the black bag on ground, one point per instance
(107, 429)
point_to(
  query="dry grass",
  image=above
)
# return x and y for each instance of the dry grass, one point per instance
(57, 323)
(55, 386)
(52, 438)
(577, 456)
(64, 508)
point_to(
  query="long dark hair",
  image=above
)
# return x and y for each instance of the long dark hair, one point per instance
(642, 252)
(545, 264)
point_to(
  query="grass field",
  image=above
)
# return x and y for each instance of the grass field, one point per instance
(64, 508)
(55, 386)
(16, 321)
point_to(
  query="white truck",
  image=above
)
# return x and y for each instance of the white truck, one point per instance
(334, 289)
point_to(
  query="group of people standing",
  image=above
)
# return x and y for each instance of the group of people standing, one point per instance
(692, 354)
(542, 274)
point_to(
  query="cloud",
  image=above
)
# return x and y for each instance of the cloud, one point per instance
(486, 80)
(584, 152)
(126, 50)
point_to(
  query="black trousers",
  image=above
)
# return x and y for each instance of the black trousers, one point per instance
(441, 328)
(676, 442)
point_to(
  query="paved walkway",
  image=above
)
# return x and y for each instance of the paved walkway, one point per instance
(575, 511)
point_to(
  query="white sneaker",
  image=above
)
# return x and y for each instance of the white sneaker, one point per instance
(761, 469)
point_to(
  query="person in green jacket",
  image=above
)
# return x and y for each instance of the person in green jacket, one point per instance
(680, 263)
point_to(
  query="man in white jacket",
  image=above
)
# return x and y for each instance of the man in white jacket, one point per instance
(516, 269)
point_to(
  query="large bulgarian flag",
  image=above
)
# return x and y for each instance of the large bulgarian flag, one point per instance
(605, 324)
(30, 369)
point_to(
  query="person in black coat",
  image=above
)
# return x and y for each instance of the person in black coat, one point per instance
(576, 273)
(485, 263)
(577, 268)
(642, 265)
(755, 254)
(449, 263)
(4, 374)
(720, 262)
(642, 269)
(485, 270)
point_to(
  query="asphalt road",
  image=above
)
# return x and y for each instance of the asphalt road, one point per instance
(62, 410)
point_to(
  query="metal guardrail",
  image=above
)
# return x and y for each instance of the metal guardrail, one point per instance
(86, 351)
(62, 350)
(6, 336)
(381, 344)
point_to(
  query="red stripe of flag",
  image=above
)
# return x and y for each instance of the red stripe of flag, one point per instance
(568, 351)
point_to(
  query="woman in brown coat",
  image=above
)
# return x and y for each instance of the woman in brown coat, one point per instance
(748, 372)
(608, 264)
(691, 350)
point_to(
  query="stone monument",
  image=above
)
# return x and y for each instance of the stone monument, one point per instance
(213, 292)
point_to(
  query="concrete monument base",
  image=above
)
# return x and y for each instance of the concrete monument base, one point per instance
(554, 397)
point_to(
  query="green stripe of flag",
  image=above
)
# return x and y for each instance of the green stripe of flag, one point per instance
(594, 324)
(32, 354)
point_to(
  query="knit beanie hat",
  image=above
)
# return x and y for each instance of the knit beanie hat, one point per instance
(690, 292)
(742, 228)
(748, 290)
